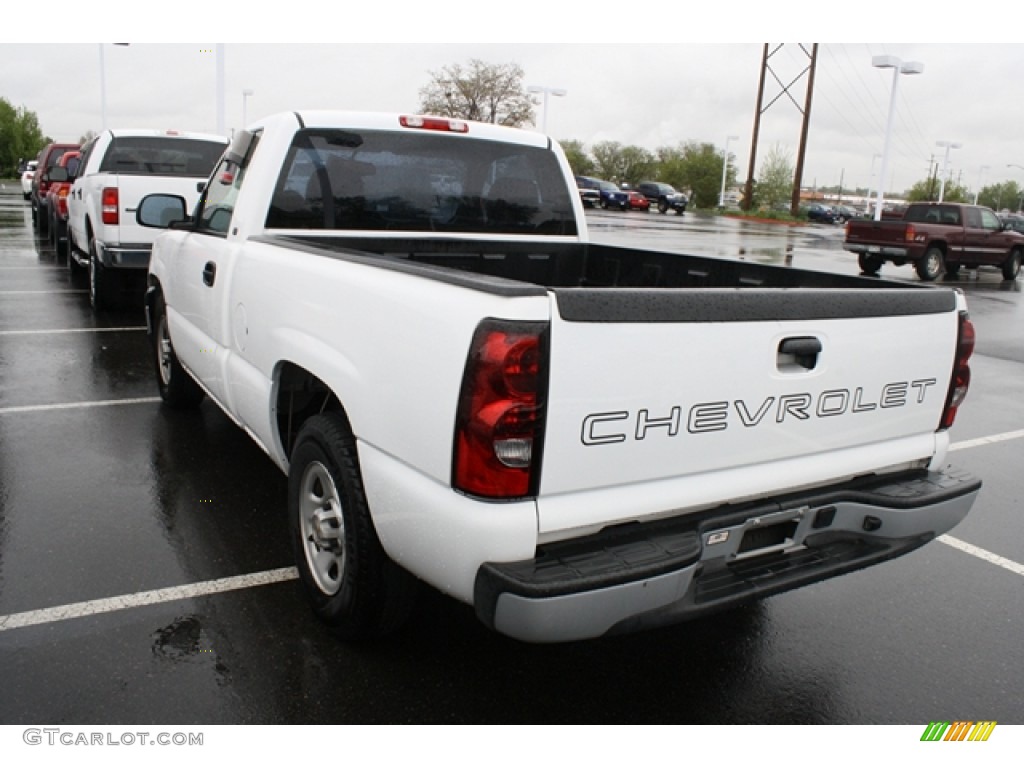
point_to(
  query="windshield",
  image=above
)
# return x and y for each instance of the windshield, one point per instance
(416, 181)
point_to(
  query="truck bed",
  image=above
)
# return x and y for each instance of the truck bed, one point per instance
(581, 275)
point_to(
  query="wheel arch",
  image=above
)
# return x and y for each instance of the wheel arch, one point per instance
(298, 395)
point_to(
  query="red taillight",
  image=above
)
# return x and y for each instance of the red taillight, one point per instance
(449, 125)
(910, 233)
(108, 211)
(961, 378)
(62, 201)
(499, 426)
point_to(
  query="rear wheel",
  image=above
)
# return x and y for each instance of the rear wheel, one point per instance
(869, 264)
(352, 584)
(1011, 267)
(931, 265)
(102, 291)
(662, 206)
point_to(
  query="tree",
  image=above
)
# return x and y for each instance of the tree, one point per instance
(580, 161)
(775, 184)
(489, 93)
(928, 189)
(1003, 196)
(696, 168)
(87, 137)
(20, 137)
(622, 164)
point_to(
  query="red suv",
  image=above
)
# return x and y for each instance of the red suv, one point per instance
(57, 199)
(48, 158)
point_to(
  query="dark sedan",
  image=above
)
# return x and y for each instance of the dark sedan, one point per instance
(823, 213)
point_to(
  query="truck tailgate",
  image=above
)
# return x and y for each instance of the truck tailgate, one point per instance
(678, 398)
(132, 188)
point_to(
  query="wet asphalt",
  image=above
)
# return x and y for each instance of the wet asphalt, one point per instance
(102, 499)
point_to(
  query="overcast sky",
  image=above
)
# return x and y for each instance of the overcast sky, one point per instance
(647, 94)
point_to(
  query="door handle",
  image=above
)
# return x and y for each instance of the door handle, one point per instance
(801, 351)
(209, 273)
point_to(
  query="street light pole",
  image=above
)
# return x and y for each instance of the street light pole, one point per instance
(898, 67)
(1021, 203)
(103, 87)
(945, 163)
(725, 169)
(547, 91)
(981, 175)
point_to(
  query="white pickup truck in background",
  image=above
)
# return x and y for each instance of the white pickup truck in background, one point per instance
(117, 169)
(576, 439)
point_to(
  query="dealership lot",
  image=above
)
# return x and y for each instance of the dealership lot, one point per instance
(145, 575)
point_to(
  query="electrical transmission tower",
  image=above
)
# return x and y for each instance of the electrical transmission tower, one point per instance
(766, 68)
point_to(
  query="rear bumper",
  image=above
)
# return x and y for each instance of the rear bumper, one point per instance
(882, 251)
(635, 577)
(124, 255)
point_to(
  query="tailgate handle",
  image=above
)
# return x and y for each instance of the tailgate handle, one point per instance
(799, 351)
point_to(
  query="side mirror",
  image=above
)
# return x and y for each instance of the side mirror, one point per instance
(161, 211)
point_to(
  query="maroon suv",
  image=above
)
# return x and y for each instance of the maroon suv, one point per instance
(48, 158)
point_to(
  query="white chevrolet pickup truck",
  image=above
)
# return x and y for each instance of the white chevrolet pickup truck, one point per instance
(118, 168)
(576, 439)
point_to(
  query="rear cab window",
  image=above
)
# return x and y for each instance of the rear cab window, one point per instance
(160, 156)
(387, 180)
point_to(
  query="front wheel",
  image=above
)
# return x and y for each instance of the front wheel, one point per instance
(177, 388)
(869, 264)
(662, 206)
(1011, 267)
(931, 265)
(353, 586)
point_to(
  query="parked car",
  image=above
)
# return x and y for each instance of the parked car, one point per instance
(664, 196)
(1013, 221)
(61, 177)
(824, 214)
(48, 158)
(611, 195)
(590, 192)
(845, 212)
(26, 179)
(637, 201)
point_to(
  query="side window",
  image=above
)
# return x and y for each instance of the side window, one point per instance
(218, 201)
(989, 220)
(973, 217)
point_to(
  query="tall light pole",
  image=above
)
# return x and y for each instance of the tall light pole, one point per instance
(103, 87)
(981, 175)
(547, 91)
(725, 169)
(898, 67)
(945, 163)
(871, 181)
(246, 93)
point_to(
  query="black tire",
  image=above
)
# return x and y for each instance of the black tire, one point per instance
(75, 270)
(931, 265)
(102, 288)
(869, 264)
(604, 205)
(177, 389)
(1011, 267)
(353, 586)
(662, 206)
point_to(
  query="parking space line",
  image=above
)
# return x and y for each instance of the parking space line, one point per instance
(1015, 435)
(71, 406)
(983, 554)
(46, 331)
(139, 599)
